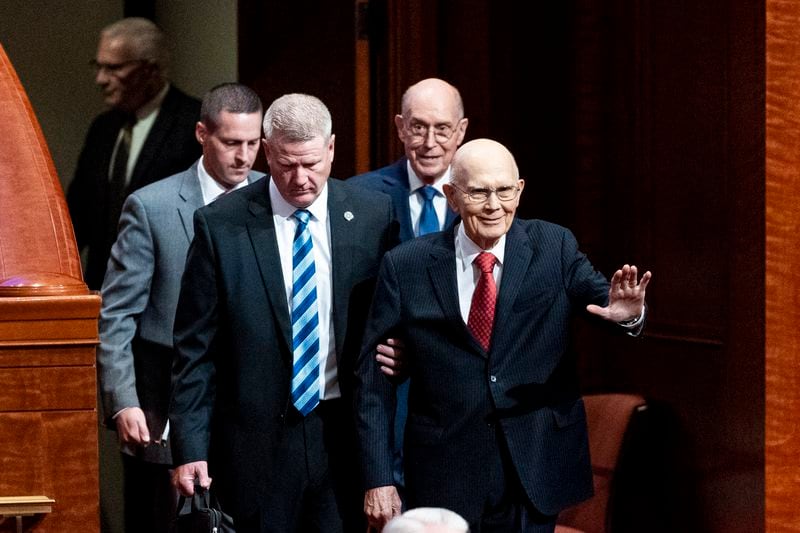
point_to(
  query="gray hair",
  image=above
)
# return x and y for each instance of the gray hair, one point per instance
(417, 520)
(145, 39)
(231, 97)
(297, 118)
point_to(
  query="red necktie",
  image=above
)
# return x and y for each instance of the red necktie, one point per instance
(481, 312)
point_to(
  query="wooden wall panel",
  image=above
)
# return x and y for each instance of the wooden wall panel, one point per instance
(643, 131)
(783, 267)
(287, 47)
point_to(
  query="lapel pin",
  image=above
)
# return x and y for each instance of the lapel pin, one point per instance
(348, 216)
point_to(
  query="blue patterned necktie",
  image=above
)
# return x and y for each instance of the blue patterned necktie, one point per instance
(305, 321)
(428, 221)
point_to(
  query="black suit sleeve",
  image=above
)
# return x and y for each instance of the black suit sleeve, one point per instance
(374, 394)
(193, 391)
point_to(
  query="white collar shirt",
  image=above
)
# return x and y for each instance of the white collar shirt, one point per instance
(319, 226)
(415, 200)
(467, 273)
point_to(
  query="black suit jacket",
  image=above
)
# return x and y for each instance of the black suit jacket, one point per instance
(170, 147)
(232, 374)
(393, 180)
(525, 386)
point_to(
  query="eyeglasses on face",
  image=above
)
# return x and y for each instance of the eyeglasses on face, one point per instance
(481, 195)
(115, 69)
(419, 132)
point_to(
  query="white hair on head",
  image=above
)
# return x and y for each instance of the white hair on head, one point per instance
(418, 521)
(297, 117)
(143, 37)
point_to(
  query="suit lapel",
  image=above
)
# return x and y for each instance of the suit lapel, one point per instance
(192, 198)
(442, 272)
(397, 187)
(342, 238)
(450, 217)
(518, 256)
(261, 229)
(155, 139)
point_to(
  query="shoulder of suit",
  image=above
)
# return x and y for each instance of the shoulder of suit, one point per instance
(538, 229)
(157, 189)
(383, 176)
(358, 194)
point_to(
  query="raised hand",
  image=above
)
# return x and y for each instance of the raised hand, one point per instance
(625, 297)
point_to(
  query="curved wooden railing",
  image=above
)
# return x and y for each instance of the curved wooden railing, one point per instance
(48, 334)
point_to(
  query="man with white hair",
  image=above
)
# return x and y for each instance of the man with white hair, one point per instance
(427, 520)
(146, 134)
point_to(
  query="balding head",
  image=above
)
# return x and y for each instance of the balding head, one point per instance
(431, 127)
(484, 189)
(427, 520)
(483, 156)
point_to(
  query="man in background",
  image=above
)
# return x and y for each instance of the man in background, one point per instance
(140, 294)
(431, 127)
(146, 134)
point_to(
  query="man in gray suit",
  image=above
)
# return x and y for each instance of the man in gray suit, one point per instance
(140, 294)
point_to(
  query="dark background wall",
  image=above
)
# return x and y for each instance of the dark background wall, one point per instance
(639, 125)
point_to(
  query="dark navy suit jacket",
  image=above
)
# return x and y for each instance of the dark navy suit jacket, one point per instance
(525, 386)
(232, 373)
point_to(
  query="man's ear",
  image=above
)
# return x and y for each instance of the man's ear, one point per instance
(200, 133)
(450, 193)
(400, 125)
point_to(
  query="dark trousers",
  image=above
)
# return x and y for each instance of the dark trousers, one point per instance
(316, 487)
(495, 502)
(507, 507)
(150, 500)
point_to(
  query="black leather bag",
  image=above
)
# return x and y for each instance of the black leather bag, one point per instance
(201, 514)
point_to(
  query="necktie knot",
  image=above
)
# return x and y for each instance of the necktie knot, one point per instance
(485, 262)
(303, 216)
(428, 220)
(427, 192)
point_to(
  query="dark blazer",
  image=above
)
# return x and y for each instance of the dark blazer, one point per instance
(140, 294)
(232, 374)
(525, 387)
(170, 148)
(393, 180)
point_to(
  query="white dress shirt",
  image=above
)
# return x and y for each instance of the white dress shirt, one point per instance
(415, 200)
(318, 225)
(210, 187)
(467, 273)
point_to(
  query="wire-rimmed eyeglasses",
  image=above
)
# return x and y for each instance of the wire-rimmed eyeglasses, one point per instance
(419, 131)
(480, 195)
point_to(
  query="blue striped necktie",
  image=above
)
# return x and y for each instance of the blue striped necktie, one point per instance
(305, 321)
(428, 221)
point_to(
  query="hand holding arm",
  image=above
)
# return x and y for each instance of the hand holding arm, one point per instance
(391, 358)
(625, 297)
(183, 477)
(381, 504)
